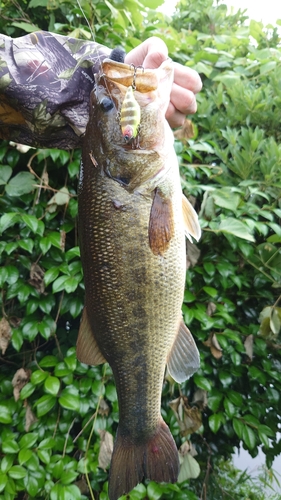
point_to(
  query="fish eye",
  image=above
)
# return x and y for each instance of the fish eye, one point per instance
(106, 104)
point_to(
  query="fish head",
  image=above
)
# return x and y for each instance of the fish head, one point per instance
(152, 88)
(136, 154)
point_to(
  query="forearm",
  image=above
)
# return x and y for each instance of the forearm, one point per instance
(45, 84)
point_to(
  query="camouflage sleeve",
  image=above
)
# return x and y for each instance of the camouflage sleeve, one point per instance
(45, 84)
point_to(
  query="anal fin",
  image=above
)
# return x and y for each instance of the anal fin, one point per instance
(87, 350)
(183, 360)
(191, 223)
(161, 223)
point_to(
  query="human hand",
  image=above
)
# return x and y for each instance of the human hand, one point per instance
(150, 54)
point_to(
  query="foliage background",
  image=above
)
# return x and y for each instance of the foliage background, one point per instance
(230, 168)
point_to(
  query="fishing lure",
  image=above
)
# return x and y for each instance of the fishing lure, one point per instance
(130, 115)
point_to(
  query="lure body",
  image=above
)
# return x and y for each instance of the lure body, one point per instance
(130, 116)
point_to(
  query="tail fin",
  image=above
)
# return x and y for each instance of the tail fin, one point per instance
(155, 459)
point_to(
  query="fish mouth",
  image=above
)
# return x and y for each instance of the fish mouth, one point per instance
(142, 80)
(149, 91)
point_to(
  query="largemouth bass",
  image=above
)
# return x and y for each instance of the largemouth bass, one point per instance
(132, 222)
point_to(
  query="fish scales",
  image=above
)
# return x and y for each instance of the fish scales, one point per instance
(134, 273)
(128, 312)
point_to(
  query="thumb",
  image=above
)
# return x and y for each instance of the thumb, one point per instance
(149, 54)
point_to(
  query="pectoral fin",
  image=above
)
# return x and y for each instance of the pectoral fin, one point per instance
(183, 359)
(161, 223)
(191, 223)
(87, 349)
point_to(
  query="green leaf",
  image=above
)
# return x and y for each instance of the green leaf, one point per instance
(24, 455)
(12, 274)
(5, 174)
(264, 439)
(30, 330)
(22, 183)
(31, 222)
(69, 401)
(47, 444)
(73, 168)
(209, 268)
(51, 275)
(26, 391)
(190, 468)
(8, 220)
(249, 437)
(45, 404)
(47, 327)
(52, 385)
(73, 252)
(61, 370)
(68, 476)
(238, 427)
(267, 67)
(266, 430)
(235, 397)
(48, 361)
(230, 409)
(210, 291)
(26, 244)
(215, 422)
(236, 228)
(31, 485)
(226, 199)
(45, 244)
(59, 283)
(38, 377)
(71, 284)
(17, 339)
(17, 472)
(44, 456)
(189, 297)
(225, 378)
(71, 361)
(3, 481)
(28, 440)
(5, 414)
(202, 382)
(214, 400)
(55, 239)
(37, 3)
(60, 198)
(10, 447)
(110, 392)
(29, 28)
(6, 462)
(154, 491)
(152, 4)
(61, 492)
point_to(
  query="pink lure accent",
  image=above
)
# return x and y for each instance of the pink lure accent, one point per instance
(127, 132)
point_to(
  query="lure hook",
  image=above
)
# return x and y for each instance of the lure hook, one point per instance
(135, 68)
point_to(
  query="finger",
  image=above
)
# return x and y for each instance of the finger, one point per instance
(174, 117)
(187, 78)
(149, 54)
(183, 100)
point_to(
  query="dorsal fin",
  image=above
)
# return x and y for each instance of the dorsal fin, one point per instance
(87, 350)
